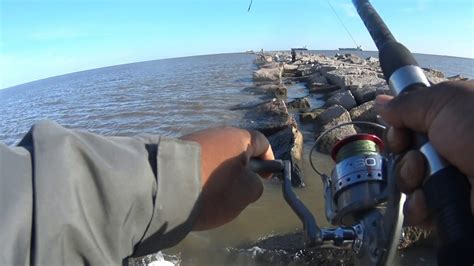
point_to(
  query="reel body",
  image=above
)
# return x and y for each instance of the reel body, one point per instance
(361, 198)
(358, 180)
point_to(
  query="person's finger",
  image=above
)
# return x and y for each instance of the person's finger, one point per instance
(412, 110)
(410, 171)
(261, 149)
(415, 210)
(398, 139)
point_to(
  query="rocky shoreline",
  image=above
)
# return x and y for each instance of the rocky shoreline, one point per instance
(345, 87)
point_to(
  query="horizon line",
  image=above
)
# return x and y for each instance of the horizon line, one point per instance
(196, 55)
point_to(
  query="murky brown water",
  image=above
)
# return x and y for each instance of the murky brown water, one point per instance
(174, 97)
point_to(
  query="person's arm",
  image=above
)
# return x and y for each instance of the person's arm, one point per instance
(93, 199)
(75, 197)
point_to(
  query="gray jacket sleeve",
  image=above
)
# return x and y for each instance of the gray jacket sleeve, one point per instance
(72, 197)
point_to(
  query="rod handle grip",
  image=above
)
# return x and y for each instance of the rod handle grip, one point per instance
(447, 194)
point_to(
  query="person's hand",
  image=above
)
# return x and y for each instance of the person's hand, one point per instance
(228, 183)
(445, 112)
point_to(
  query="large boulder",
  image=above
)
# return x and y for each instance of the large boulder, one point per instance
(268, 118)
(364, 112)
(332, 117)
(267, 75)
(353, 76)
(305, 70)
(300, 104)
(317, 78)
(363, 94)
(343, 98)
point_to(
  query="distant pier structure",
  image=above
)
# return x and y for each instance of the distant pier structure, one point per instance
(295, 50)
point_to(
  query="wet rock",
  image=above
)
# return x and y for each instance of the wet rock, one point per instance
(267, 75)
(344, 77)
(322, 88)
(311, 116)
(344, 99)
(411, 235)
(317, 78)
(280, 92)
(363, 94)
(287, 144)
(301, 104)
(268, 118)
(247, 105)
(289, 250)
(334, 116)
(271, 90)
(434, 76)
(364, 112)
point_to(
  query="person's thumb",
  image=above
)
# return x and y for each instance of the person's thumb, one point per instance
(414, 110)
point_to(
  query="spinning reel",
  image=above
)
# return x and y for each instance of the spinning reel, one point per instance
(361, 198)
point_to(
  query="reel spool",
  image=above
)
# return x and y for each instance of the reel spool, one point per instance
(358, 180)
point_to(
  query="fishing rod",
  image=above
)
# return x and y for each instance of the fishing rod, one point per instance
(446, 189)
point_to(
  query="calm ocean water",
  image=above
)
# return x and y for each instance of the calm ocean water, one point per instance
(170, 97)
(174, 97)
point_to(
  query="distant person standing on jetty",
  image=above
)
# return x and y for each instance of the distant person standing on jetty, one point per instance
(73, 197)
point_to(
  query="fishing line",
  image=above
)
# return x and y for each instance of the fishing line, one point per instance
(342, 23)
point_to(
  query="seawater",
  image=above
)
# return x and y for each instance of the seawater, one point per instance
(174, 97)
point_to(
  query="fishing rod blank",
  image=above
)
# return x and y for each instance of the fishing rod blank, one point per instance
(447, 190)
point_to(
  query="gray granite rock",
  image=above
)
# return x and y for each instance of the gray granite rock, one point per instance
(363, 94)
(364, 112)
(344, 99)
(267, 75)
(268, 118)
(317, 78)
(334, 116)
(353, 76)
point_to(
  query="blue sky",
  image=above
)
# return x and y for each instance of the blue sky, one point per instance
(44, 38)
